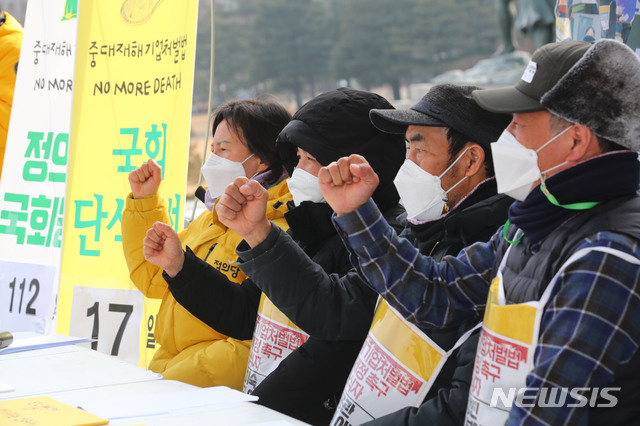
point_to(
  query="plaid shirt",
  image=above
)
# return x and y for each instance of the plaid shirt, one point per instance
(590, 326)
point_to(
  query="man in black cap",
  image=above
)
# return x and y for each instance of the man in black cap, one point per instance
(447, 187)
(559, 284)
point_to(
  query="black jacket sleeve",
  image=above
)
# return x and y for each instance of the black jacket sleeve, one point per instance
(227, 307)
(326, 306)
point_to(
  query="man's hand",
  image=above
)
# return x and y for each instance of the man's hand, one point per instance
(145, 180)
(347, 183)
(163, 248)
(243, 208)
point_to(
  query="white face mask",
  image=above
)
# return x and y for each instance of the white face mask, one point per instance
(516, 167)
(421, 192)
(304, 187)
(219, 172)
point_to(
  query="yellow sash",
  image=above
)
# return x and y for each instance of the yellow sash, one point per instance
(396, 368)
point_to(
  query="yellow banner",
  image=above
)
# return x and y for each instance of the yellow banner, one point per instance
(405, 342)
(513, 321)
(132, 102)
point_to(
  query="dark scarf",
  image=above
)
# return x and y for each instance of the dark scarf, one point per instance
(602, 178)
(310, 224)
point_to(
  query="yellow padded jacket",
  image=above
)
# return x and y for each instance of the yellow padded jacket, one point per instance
(191, 351)
(10, 42)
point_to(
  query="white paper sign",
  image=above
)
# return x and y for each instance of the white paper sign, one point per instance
(32, 188)
(110, 315)
(27, 300)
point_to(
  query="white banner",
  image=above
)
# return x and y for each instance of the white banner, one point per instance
(272, 342)
(32, 187)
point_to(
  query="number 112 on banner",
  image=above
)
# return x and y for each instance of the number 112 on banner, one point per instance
(27, 299)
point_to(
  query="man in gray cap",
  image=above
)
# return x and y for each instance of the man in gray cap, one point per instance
(559, 284)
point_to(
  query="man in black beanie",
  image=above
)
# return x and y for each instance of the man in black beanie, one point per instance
(559, 284)
(451, 199)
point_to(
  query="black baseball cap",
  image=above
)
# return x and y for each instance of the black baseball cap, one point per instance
(548, 65)
(445, 105)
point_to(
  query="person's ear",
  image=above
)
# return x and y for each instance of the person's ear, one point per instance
(584, 143)
(474, 160)
(262, 164)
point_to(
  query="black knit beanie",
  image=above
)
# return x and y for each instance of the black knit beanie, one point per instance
(336, 124)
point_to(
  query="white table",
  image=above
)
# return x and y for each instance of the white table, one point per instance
(80, 376)
(239, 414)
(43, 371)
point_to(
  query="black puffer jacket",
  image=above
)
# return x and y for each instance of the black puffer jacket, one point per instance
(232, 309)
(331, 307)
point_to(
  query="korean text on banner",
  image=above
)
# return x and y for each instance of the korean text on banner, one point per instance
(32, 188)
(274, 338)
(132, 102)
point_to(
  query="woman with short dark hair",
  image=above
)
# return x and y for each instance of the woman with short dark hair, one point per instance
(244, 135)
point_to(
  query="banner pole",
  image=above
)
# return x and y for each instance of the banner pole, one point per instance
(208, 130)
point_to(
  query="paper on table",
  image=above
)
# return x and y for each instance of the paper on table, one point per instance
(163, 403)
(40, 342)
(5, 387)
(42, 410)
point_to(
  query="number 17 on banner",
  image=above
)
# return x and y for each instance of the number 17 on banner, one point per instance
(112, 316)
